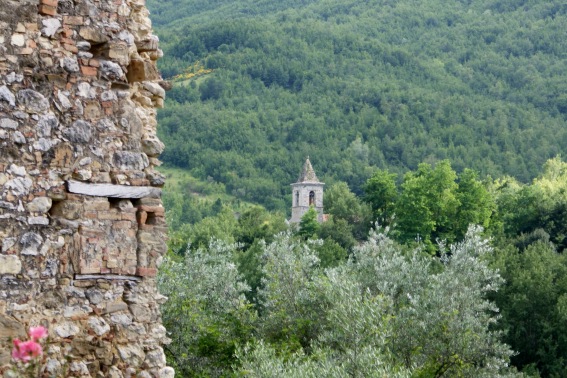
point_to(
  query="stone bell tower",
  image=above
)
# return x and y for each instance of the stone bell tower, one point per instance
(307, 192)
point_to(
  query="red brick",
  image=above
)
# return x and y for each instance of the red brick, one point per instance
(146, 272)
(67, 33)
(129, 216)
(121, 225)
(89, 71)
(51, 3)
(94, 63)
(47, 10)
(142, 217)
(90, 214)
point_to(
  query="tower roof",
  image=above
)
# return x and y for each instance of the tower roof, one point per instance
(307, 173)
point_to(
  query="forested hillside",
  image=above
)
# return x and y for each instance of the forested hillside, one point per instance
(360, 85)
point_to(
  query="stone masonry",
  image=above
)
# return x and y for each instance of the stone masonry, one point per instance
(82, 228)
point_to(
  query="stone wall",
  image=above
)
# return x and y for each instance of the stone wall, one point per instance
(82, 227)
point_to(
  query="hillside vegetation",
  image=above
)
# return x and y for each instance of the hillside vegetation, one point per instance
(405, 108)
(360, 85)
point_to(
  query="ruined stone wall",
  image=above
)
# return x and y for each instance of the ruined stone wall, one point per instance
(81, 223)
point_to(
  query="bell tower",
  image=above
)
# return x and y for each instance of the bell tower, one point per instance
(306, 192)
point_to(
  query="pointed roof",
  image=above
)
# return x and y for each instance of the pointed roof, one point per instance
(307, 174)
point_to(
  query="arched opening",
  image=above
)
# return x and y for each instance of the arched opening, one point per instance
(296, 198)
(311, 198)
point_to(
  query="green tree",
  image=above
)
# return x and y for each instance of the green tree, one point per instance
(308, 225)
(428, 206)
(342, 203)
(381, 192)
(476, 204)
(533, 306)
(207, 314)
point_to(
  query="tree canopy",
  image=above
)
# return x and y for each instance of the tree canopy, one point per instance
(359, 86)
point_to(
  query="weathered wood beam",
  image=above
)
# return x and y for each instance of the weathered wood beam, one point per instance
(112, 191)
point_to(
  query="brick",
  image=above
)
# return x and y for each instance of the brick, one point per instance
(68, 41)
(72, 20)
(67, 33)
(47, 10)
(142, 217)
(109, 215)
(121, 225)
(89, 71)
(146, 272)
(31, 26)
(90, 267)
(129, 217)
(70, 48)
(51, 3)
(94, 63)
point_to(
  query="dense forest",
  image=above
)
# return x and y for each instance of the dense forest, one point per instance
(438, 129)
(360, 85)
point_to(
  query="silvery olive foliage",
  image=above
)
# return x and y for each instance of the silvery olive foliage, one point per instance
(440, 319)
(207, 313)
(385, 312)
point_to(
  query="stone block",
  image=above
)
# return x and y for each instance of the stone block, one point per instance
(67, 209)
(113, 191)
(93, 35)
(39, 205)
(147, 45)
(9, 264)
(73, 20)
(89, 266)
(141, 70)
(98, 205)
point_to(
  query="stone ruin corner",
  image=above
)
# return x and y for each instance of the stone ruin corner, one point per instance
(82, 228)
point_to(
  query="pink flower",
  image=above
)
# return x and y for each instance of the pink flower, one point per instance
(37, 333)
(26, 350)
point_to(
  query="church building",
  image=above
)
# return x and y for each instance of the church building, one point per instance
(306, 192)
